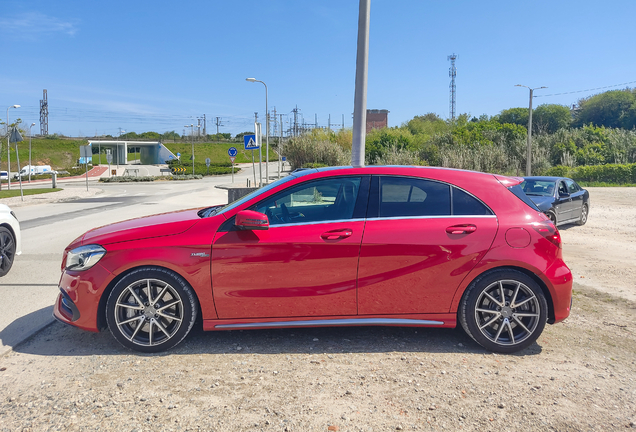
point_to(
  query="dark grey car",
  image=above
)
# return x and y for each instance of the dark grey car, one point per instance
(560, 198)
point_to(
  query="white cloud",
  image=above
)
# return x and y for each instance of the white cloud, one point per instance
(33, 24)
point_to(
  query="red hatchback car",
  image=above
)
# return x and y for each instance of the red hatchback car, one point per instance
(372, 246)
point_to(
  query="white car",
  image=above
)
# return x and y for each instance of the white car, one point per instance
(10, 239)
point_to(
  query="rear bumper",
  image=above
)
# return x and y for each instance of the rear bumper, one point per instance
(560, 278)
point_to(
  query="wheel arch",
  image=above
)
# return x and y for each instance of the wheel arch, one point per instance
(10, 228)
(530, 274)
(101, 308)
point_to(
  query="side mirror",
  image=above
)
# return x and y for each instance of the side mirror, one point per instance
(563, 195)
(251, 220)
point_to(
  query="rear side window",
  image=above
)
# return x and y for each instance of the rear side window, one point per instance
(517, 190)
(467, 205)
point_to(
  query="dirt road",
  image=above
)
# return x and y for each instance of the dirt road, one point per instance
(580, 375)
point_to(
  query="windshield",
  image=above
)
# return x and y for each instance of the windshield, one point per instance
(256, 193)
(538, 187)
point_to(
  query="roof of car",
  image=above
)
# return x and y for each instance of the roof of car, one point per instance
(546, 178)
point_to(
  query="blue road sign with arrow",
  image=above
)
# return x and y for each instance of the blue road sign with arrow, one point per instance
(250, 142)
(232, 152)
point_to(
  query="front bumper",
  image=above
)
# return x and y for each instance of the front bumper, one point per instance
(78, 303)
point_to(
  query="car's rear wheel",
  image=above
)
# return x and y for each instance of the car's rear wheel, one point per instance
(7, 250)
(151, 309)
(504, 311)
(552, 217)
(584, 213)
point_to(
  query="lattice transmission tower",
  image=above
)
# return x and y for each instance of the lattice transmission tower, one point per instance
(452, 73)
(44, 115)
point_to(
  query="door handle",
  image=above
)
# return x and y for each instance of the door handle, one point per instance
(336, 234)
(461, 229)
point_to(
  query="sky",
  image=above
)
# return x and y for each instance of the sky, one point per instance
(158, 66)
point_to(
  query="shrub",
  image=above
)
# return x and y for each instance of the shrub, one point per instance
(305, 150)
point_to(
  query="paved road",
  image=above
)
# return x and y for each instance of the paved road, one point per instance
(30, 288)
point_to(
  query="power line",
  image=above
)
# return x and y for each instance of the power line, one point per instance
(583, 91)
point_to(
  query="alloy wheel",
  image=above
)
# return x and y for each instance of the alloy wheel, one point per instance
(149, 312)
(507, 312)
(7, 251)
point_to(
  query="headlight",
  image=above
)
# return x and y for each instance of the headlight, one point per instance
(84, 257)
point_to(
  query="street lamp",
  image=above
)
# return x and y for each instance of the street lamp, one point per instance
(192, 141)
(30, 169)
(529, 155)
(266, 130)
(9, 149)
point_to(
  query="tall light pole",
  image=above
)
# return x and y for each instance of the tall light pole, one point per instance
(192, 141)
(529, 149)
(266, 130)
(9, 149)
(30, 166)
(120, 131)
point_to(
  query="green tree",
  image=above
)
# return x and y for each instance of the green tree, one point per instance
(171, 135)
(615, 108)
(518, 116)
(549, 118)
(151, 136)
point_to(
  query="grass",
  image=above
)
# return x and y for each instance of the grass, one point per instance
(62, 154)
(16, 192)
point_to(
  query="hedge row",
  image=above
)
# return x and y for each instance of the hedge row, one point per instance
(610, 173)
(127, 179)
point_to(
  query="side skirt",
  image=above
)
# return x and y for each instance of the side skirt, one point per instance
(433, 320)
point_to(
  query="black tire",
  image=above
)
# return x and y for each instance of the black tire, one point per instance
(7, 250)
(151, 309)
(584, 214)
(488, 313)
(552, 217)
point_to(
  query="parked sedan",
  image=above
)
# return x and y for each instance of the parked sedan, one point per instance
(373, 246)
(560, 198)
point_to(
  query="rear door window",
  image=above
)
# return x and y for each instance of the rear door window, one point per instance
(407, 196)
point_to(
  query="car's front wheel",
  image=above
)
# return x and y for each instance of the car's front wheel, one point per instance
(504, 311)
(7, 250)
(151, 309)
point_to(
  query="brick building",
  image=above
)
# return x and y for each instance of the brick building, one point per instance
(377, 119)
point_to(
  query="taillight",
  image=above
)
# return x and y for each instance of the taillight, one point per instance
(549, 232)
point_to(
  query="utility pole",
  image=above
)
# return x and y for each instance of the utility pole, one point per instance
(362, 74)
(218, 123)
(280, 146)
(205, 128)
(529, 145)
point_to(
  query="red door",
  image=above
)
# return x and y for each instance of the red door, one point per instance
(415, 265)
(420, 241)
(290, 271)
(305, 264)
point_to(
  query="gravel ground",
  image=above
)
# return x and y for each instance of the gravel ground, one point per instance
(580, 375)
